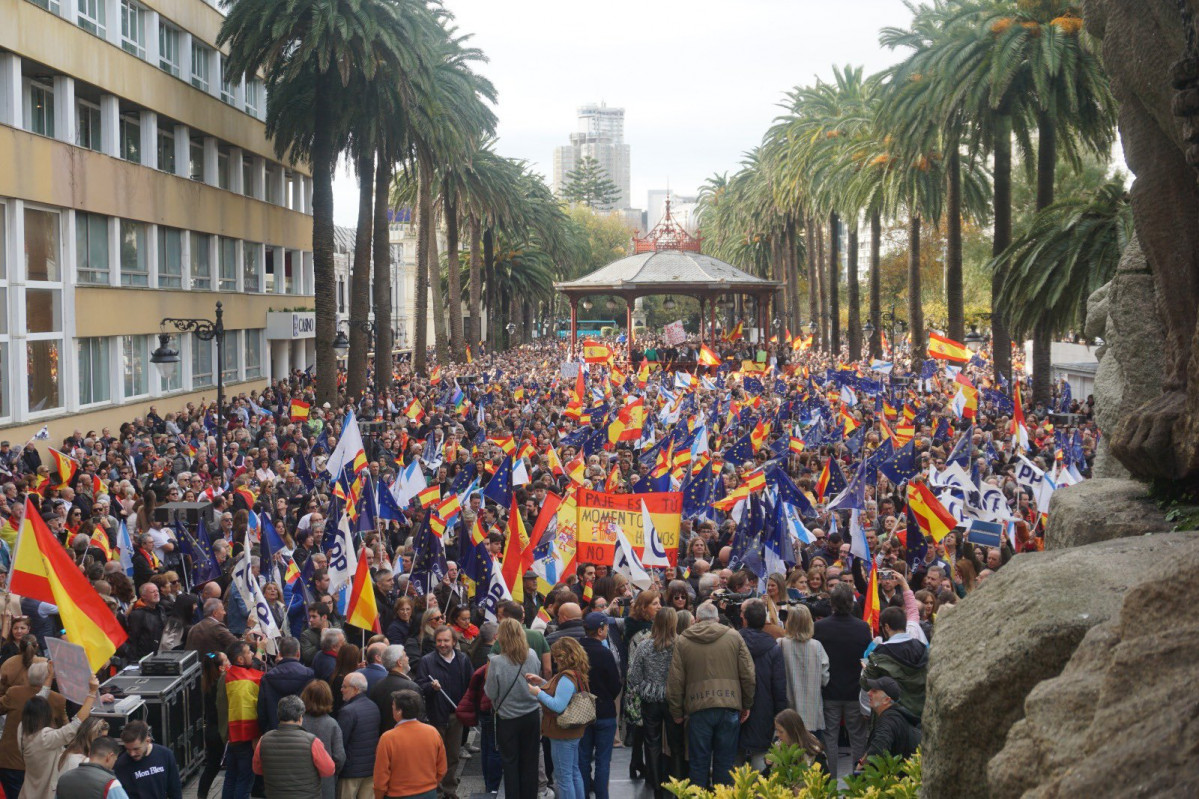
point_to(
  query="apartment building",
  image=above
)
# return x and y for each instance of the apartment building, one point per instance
(137, 184)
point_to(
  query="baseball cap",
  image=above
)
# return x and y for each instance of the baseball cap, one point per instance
(593, 621)
(885, 684)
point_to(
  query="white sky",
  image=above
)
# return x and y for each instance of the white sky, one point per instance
(700, 81)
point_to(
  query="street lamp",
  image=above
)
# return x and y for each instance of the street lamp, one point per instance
(341, 342)
(587, 305)
(669, 303)
(974, 339)
(167, 360)
(812, 327)
(868, 330)
(610, 304)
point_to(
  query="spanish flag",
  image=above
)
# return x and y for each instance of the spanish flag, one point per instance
(576, 468)
(506, 443)
(755, 480)
(429, 495)
(947, 349)
(555, 462)
(930, 514)
(65, 465)
(299, 410)
(100, 542)
(512, 565)
(871, 611)
(44, 571)
(796, 445)
(596, 352)
(435, 375)
(414, 411)
(241, 691)
(642, 374)
(737, 332)
(362, 612)
(707, 357)
(822, 481)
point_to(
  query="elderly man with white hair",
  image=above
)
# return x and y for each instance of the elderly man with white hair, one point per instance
(359, 722)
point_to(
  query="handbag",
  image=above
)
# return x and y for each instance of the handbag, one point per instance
(579, 712)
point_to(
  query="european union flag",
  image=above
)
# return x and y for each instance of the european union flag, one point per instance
(787, 491)
(901, 466)
(1002, 402)
(814, 435)
(748, 536)
(928, 370)
(961, 450)
(428, 560)
(304, 472)
(594, 444)
(476, 567)
(942, 431)
(322, 441)
(780, 388)
(367, 506)
(917, 545)
(499, 487)
(697, 493)
(388, 509)
(203, 565)
(753, 385)
(855, 441)
(740, 452)
(853, 496)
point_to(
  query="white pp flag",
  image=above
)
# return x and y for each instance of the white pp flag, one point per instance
(626, 561)
(251, 594)
(343, 562)
(654, 554)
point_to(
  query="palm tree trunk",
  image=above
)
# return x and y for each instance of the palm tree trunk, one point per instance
(360, 278)
(324, 279)
(876, 304)
(1001, 341)
(790, 250)
(822, 277)
(476, 283)
(854, 330)
(1042, 341)
(384, 344)
(454, 273)
(915, 303)
(424, 210)
(493, 313)
(954, 300)
(834, 283)
(428, 232)
(813, 280)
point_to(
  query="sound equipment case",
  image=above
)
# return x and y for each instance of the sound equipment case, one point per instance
(174, 709)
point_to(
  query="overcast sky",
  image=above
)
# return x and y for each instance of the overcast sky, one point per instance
(700, 81)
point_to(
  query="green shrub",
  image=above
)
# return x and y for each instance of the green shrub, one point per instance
(792, 778)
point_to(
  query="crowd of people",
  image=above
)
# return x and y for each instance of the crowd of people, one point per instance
(816, 637)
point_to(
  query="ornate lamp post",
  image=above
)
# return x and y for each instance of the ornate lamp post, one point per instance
(167, 360)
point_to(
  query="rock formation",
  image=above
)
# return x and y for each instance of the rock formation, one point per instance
(1100, 510)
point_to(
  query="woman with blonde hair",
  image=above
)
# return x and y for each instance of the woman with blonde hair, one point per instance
(573, 667)
(649, 668)
(776, 594)
(807, 667)
(517, 712)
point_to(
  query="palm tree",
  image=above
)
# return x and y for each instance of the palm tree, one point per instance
(310, 53)
(1071, 249)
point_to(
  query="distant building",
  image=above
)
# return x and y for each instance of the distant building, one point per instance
(600, 135)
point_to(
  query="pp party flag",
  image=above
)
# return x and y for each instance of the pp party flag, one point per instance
(707, 357)
(65, 465)
(251, 594)
(299, 410)
(654, 553)
(350, 453)
(362, 611)
(947, 349)
(932, 517)
(43, 570)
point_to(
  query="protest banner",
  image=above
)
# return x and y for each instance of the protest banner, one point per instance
(674, 334)
(71, 669)
(601, 515)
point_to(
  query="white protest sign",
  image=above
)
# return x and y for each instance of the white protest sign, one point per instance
(71, 669)
(673, 333)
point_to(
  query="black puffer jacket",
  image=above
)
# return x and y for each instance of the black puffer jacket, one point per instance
(892, 733)
(770, 691)
(359, 722)
(287, 678)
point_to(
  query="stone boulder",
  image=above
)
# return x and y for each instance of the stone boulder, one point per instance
(1120, 719)
(1123, 312)
(1018, 629)
(1100, 510)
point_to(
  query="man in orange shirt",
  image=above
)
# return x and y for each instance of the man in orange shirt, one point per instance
(410, 761)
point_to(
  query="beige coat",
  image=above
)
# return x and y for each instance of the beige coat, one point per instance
(42, 753)
(711, 668)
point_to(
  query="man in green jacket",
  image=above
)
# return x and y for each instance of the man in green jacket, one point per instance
(711, 682)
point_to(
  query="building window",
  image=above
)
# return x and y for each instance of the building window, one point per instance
(232, 356)
(49, 5)
(195, 166)
(341, 296)
(131, 138)
(253, 354)
(87, 125)
(166, 150)
(222, 169)
(135, 364)
(91, 16)
(133, 28)
(201, 277)
(91, 249)
(168, 48)
(41, 109)
(5, 407)
(200, 66)
(227, 90)
(94, 376)
(170, 258)
(42, 250)
(269, 192)
(228, 265)
(201, 362)
(253, 96)
(250, 267)
(134, 269)
(247, 177)
(44, 367)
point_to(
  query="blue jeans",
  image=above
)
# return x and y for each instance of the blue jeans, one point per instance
(566, 766)
(493, 764)
(239, 770)
(712, 744)
(596, 745)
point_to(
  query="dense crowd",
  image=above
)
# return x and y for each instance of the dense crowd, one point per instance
(799, 612)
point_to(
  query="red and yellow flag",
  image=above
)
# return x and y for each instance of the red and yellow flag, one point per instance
(947, 349)
(241, 690)
(596, 352)
(414, 411)
(65, 465)
(707, 357)
(299, 410)
(871, 610)
(512, 566)
(362, 611)
(930, 514)
(429, 496)
(44, 571)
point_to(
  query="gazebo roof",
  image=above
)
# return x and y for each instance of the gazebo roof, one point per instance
(667, 271)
